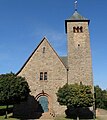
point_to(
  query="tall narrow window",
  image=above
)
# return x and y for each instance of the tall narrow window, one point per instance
(43, 49)
(78, 29)
(80, 83)
(45, 75)
(74, 29)
(81, 29)
(41, 75)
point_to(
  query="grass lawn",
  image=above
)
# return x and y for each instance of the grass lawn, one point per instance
(63, 118)
(4, 107)
(9, 117)
(2, 118)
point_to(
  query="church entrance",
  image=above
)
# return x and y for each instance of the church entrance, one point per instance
(43, 101)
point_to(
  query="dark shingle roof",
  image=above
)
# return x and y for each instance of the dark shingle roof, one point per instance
(77, 16)
(64, 60)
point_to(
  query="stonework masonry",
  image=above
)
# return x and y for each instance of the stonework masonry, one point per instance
(45, 62)
(79, 54)
(45, 71)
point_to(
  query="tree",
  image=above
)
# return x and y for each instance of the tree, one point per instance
(100, 98)
(75, 96)
(13, 89)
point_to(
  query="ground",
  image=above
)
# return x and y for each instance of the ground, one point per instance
(101, 115)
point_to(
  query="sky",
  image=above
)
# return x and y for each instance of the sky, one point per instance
(24, 23)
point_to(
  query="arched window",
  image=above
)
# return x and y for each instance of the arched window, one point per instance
(78, 29)
(81, 29)
(74, 29)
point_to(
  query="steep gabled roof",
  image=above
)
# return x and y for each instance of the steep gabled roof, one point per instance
(61, 59)
(30, 57)
(77, 16)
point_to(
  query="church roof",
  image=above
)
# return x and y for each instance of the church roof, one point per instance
(64, 60)
(77, 16)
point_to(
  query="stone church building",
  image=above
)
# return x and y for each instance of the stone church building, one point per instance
(46, 71)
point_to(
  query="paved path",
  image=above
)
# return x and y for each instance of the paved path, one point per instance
(102, 117)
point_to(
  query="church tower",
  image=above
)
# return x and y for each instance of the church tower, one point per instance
(79, 52)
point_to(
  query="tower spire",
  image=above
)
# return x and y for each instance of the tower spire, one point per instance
(75, 5)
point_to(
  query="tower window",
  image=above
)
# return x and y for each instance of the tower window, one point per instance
(78, 29)
(81, 83)
(78, 45)
(74, 29)
(81, 29)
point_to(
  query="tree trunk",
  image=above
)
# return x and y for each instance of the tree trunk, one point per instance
(77, 118)
(6, 112)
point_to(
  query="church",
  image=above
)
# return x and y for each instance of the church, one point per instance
(46, 71)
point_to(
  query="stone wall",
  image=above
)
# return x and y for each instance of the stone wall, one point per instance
(45, 61)
(79, 54)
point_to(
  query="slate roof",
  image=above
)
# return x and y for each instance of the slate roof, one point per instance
(64, 60)
(77, 16)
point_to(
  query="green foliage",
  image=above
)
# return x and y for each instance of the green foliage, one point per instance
(75, 95)
(100, 98)
(4, 107)
(13, 89)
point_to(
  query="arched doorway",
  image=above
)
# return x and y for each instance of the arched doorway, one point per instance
(43, 101)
